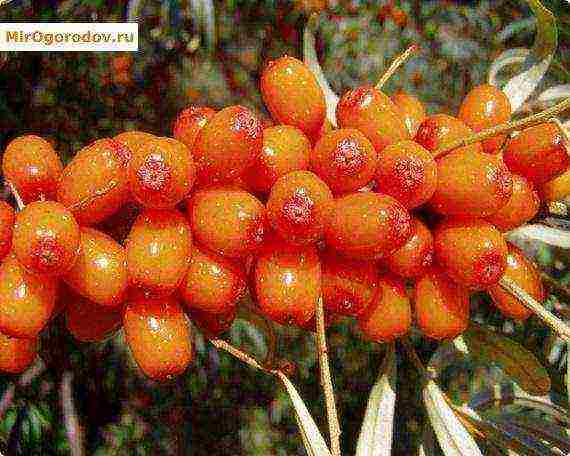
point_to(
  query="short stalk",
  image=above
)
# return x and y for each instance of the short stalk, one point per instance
(396, 64)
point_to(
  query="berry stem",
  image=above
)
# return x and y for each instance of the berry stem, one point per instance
(508, 127)
(249, 313)
(71, 420)
(396, 64)
(89, 199)
(25, 379)
(239, 354)
(414, 358)
(19, 202)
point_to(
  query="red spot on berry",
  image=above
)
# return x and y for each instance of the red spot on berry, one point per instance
(191, 115)
(154, 174)
(298, 210)
(410, 173)
(247, 123)
(489, 268)
(400, 224)
(47, 253)
(502, 180)
(348, 157)
(120, 151)
(357, 97)
(427, 134)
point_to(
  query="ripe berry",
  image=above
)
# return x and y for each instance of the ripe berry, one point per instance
(344, 159)
(26, 300)
(349, 286)
(390, 315)
(100, 272)
(7, 218)
(228, 221)
(484, 107)
(161, 173)
(411, 109)
(285, 149)
(367, 225)
(16, 355)
(46, 238)
(407, 172)
(537, 153)
(439, 130)
(293, 96)
(415, 256)
(89, 322)
(213, 324)
(521, 207)
(227, 145)
(471, 251)
(369, 110)
(31, 164)
(158, 335)
(298, 207)
(189, 123)
(158, 251)
(441, 305)
(556, 189)
(525, 274)
(134, 140)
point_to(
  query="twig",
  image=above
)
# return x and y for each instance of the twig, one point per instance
(416, 361)
(396, 63)
(241, 355)
(25, 379)
(19, 202)
(70, 418)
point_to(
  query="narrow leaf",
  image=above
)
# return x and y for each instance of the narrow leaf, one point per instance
(555, 93)
(546, 234)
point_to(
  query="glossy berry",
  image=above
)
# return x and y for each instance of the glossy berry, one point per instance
(134, 140)
(228, 221)
(441, 305)
(227, 145)
(7, 218)
(298, 207)
(526, 275)
(471, 251)
(213, 324)
(31, 164)
(100, 272)
(537, 153)
(89, 322)
(158, 251)
(390, 314)
(189, 122)
(484, 107)
(46, 238)
(372, 112)
(293, 96)
(344, 159)
(407, 172)
(26, 300)
(367, 225)
(439, 130)
(415, 256)
(285, 149)
(158, 335)
(521, 207)
(161, 174)
(556, 189)
(349, 286)
(411, 109)
(16, 355)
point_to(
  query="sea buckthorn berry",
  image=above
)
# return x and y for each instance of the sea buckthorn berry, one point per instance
(372, 112)
(100, 272)
(367, 225)
(213, 324)
(158, 335)
(293, 95)
(89, 322)
(285, 149)
(521, 207)
(287, 282)
(415, 256)
(557, 189)
(189, 123)
(484, 107)
(161, 173)
(537, 153)
(344, 159)
(158, 251)
(390, 314)
(7, 218)
(31, 164)
(227, 145)
(471, 251)
(439, 130)
(407, 172)
(94, 184)
(46, 238)
(471, 184)
(411, 109)
(16, 355)
(228, 221)
(133, 140)
(26, 300)
(349, 286)
(213, 283)
(298, 207)
(525, 274)
(311, 325)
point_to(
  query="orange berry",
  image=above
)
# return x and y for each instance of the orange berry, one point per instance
(344, 159)
(189, 122)
(439, 130)
(213, 324)
(407, 172)
(46, 238)
(556, 189)
(158, 335)
(31, 164)
(526, 275)
(441, 305)
(26, 300)
(228, 221)
(471, 251)
(293, 96)
(89, 322)
(16, 355)
(285, 149)
(134, 140)
(390, 314)
(411, 109)
(7, 218)
(158, 251)
(100, 272)
(367, 225)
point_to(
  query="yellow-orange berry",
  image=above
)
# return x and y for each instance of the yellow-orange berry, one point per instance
(438, 131)
(7, 219)
(411, 109)
(134, 139)
(16, 355)
(557, 189)
(89, 322)
(189, 122)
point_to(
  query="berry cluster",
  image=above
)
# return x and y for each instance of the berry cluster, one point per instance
(369, 217)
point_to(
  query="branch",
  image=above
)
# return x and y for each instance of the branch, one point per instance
(70, 418)
(396, 64)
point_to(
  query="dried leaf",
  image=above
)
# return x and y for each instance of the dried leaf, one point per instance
(377, 428)
(546, 234)
(558, 92)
